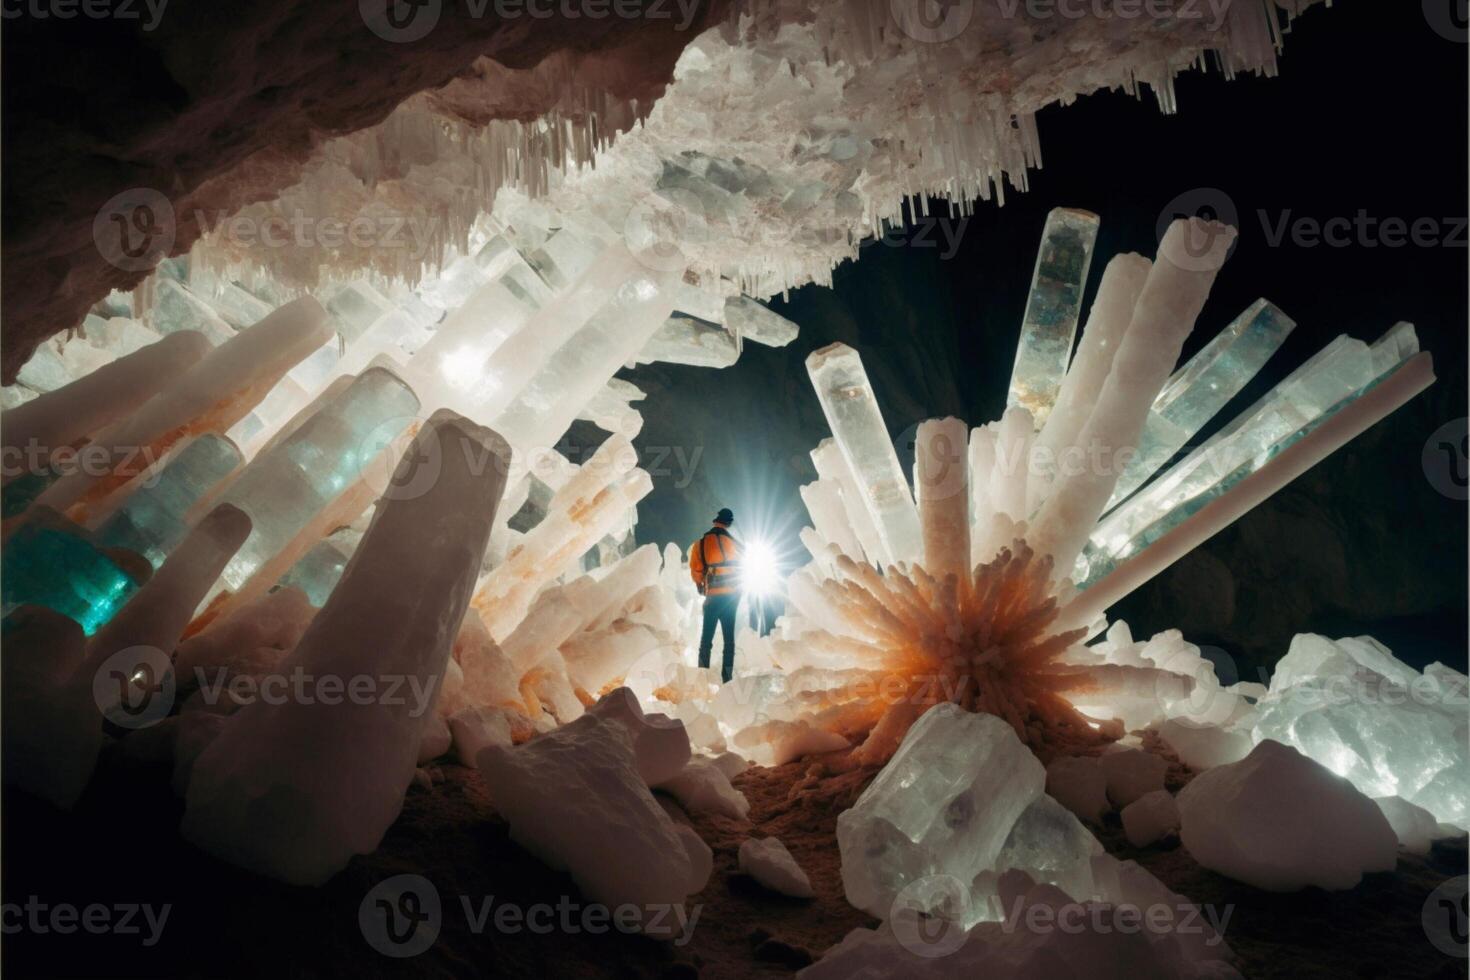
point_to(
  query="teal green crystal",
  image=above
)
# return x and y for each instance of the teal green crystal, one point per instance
(319, 570)
(22, 491)
(152, 520)
(284, 487)
(50, 562)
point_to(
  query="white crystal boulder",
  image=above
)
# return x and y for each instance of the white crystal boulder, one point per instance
(575, 798)
(1150, 817)
(1282, 822)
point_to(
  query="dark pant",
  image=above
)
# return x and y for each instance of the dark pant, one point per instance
(719, 609)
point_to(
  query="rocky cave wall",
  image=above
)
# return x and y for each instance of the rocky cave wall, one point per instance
(218, 105)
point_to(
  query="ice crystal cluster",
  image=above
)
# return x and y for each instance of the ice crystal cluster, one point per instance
(308, 464)
(978, 585)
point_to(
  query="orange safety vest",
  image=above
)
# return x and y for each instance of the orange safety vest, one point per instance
(714, 562)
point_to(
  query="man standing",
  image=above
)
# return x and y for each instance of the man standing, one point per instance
(714, 562)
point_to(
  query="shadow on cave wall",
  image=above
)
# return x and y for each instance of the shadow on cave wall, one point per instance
(1364, 543)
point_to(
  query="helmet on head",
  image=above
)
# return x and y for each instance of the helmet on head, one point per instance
(724, 516)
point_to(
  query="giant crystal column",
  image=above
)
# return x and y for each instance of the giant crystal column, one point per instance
(832, 467)
(1107, 322)
(68, 414)
(54, 722)
(460, 348)
(1050, 323)
(319, 570)
(942, 484)
(52, 562)
(1328, 382)
(852, 413)
(823, 500)
(485, 388)
(1011, 473)
(1183, 529)
(571, 377)
(209, 397)
(154, 518)
(1202, 387)
(1171, 300)
(286, 485)
(295, 789)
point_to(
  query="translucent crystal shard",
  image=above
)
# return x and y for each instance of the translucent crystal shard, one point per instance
(286, 485)
(1050, 322)
(1107, 322)
(319, 570)
(590, 505)
(753, 320)
(1205, 500)
(153, 519)
(209, 397)
(177, 308)
(294, 787)
(851, 408)
(823, 500)
(685, 339)
(1172, 298)
(833, 468)
(49, 561)
(1202, 387)
(549, 401)
(944, 805)
(158, 614)
(1327, 382)
(61, 417)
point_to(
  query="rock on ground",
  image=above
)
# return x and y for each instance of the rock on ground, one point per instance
(1282, 822)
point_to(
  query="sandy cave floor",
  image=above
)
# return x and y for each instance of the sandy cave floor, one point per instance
(121, 846)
